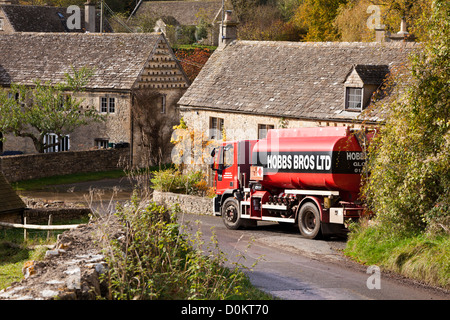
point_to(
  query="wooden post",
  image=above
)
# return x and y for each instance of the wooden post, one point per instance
(24, 229)
(50, 220)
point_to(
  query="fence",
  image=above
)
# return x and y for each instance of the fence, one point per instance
(48, 227)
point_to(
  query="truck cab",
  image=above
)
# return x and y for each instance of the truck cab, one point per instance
(231, 163)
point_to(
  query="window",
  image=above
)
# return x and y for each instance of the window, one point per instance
(101, 143)
(215, 128)
(262, 130)
(57, 146)
(16, 96)
(228, 156)
(108, 105)
(163, 103)
(353, 98)
(112, 105)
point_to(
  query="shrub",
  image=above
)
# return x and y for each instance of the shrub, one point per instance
(155, 260)
(409, 183)
(172, 180)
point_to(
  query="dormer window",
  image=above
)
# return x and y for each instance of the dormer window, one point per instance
(353, 98)
(360, 84)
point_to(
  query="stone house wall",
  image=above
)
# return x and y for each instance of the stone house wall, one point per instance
(240, 126)
(115, 129)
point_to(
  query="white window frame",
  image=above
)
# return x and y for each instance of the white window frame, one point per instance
(348, 101)
(216, 126)
(62, 146)
(101, 143)
(107, 105)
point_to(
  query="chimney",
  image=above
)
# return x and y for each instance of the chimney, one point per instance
(89, 16)
(381, 35)
(403, 34)
(228, 30)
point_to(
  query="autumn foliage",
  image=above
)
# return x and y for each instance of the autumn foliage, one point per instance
(193, 59)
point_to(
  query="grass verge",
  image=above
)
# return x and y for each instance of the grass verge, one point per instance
(37, 184)
(420, 257)
(14, 252)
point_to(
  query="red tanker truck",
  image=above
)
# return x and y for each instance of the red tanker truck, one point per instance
(308, 176)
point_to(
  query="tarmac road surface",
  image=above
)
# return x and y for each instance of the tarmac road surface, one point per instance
(288, 266)
(294, 268)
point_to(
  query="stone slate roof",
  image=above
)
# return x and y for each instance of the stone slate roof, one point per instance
(43, 19)
(9, 200)
(117, 59)
(372, 74)
(288, 79)
(185, 12)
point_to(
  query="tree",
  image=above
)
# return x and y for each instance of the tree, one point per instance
(36, 111)
(409, 183)
(352, 17)
(317, 17)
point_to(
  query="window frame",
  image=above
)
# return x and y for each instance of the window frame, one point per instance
(215, 130)
(101, 143)
(163, 104)
(348, 100)
(264, 128)
(65, 144)
(107, 105)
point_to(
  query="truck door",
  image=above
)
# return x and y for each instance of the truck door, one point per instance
(227, 169)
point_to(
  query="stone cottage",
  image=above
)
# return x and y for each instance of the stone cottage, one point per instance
(248, 87)
(183, 13)
(136, 84)
(21, 18)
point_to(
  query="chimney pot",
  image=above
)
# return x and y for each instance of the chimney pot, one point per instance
(403, 34)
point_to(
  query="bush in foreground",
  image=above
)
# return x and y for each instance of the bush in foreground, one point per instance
(154, 259)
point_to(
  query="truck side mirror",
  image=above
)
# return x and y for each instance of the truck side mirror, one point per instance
(213, 153)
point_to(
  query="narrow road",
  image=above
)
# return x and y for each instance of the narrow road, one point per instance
(294, 268)
(288, 266)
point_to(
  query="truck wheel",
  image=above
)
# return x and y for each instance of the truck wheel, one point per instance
(230, 214)
(309, 221)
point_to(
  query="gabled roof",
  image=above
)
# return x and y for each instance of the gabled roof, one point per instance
(303, 80)
(185, 12)
(9, 200)
(372, 74)
(117, 59)
(43, 19)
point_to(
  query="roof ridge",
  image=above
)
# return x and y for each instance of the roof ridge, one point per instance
(326, 44)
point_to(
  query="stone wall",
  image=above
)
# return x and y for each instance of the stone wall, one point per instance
(238, 126)
(187, 203)
(33, 166)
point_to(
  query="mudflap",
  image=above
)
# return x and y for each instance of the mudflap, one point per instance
(216, 206)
